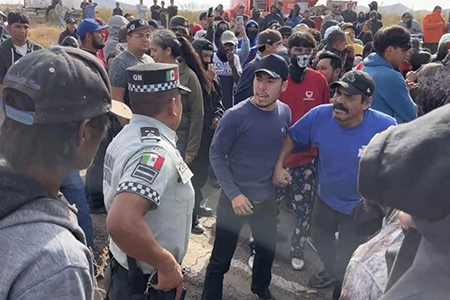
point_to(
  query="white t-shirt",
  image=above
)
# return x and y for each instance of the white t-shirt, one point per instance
(22, 49)
(223, 68)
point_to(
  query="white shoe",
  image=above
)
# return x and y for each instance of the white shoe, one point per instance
(297, 264)
(250, 261)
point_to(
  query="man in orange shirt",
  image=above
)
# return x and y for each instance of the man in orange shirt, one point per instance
(433, 28)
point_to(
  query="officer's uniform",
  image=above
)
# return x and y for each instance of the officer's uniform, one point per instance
(143, 159)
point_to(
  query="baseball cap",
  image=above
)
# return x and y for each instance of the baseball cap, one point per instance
(136, 24)
(88, 26)
(203, 15)
(228, 37)
(285, 30)
(153, 78)
(268, 36)
(202, 44)
(71, 21)
(356, 83)
(65, 84)
(274, 65)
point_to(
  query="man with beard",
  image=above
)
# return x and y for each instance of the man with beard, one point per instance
(138, 42)
(340, 131)
(92, 38)
(268, 42)
(256, 125)
(306, 89)
(228, 66)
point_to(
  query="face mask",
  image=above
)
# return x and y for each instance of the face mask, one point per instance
(301, 60)
(252, 35)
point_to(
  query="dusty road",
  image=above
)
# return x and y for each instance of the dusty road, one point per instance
(287, 284)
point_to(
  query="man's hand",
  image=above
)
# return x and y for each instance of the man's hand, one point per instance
(214, 123)
(188, 159)
(211, 72)
(241, 30)
(366, 28)
(406, 220)
(210, 21)
(350, 51)
(412, 76)
(281, 177)
(242, 206)
(411, 85)
(230, 58)
(171, 278)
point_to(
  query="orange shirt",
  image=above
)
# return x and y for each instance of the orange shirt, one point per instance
(433, 27)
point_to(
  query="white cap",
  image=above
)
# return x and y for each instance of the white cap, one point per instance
(228, 37)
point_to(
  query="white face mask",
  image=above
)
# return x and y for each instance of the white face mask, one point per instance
(303, 60)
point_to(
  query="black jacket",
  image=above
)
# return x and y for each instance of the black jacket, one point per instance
(9, 55)
(349, 16)
(65, 34)
(117, 12)
(270, 17)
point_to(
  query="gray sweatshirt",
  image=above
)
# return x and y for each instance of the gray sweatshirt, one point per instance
(42, 249)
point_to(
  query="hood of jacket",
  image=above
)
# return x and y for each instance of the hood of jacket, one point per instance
(24, 201)
(114, 23)
(252, 23)
(408, 12)
(373, 5)
(375, 60)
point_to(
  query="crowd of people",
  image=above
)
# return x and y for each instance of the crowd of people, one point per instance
(339, 118)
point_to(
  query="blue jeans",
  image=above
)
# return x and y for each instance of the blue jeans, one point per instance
(73, 189)
(61, 21)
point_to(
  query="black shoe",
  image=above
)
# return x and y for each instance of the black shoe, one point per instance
(198, 229)
(266, 295)
(322, 280)
(204, 211)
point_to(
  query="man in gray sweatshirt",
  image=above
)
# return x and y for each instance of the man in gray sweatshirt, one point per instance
(56, 103)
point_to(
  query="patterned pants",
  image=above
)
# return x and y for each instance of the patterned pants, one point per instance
(301, 194)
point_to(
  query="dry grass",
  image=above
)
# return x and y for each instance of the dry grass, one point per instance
(45, 35)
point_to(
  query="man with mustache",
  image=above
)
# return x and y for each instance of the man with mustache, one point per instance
(256, 125)
(340, 131)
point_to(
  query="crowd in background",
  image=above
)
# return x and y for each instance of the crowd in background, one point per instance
(348, 81)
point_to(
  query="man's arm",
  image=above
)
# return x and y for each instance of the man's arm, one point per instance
(196, 121)
(119, 82)
(398, 98)
(427, 24)
(235, 66)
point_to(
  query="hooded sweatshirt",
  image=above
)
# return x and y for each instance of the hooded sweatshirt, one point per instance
(433, 27)
(391, 93)
(114, 23)
(253, 43)
(43, 251)
(407, 167)
(413, 27)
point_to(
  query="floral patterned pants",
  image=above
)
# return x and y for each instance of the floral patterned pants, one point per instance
(301, 194)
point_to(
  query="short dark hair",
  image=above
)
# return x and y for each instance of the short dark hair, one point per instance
(335, 61)
(301, 39)
(49, 145)
(140, 102)
(336, 36)
(153, 23)
(437, 7)
(127, 15)
(18, 17)
(395, 36)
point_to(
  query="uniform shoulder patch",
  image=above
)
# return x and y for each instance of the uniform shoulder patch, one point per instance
(149, 133)
(150, 165)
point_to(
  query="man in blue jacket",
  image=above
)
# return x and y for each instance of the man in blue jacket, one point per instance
(391, 95)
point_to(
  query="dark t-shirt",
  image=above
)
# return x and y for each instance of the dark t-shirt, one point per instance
(310, 23)
(156, 11)
(117, 12)
(173, 11)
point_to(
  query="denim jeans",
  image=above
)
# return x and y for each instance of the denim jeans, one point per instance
(73, 190)
(61, 22)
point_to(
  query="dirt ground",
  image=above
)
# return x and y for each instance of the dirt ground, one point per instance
(287, 284)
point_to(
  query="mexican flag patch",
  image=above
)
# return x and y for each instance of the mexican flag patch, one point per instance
(152, 160)
(171, 75)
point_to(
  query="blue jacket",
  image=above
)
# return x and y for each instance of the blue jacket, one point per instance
(391, 93)
(292, 22)
(245, 86)
(253, 43)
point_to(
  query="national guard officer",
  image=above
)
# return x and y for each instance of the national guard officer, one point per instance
(148, 190)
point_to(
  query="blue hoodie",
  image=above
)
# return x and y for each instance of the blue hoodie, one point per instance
(253, 43)
(391, 93)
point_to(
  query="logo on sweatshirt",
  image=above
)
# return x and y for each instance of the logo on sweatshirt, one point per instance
(309, 96)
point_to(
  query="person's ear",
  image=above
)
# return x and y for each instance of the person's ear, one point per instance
(284, 86)
(172, 107)
(84, 133)
(128, 38)
(336, 72)
(367, 103)
(168, 51)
